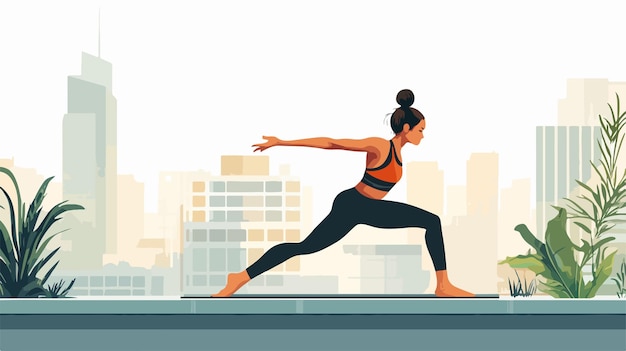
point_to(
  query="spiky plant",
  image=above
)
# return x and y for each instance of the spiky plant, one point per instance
(522, 289)
(24, 241)
(57, 290)
(621, 281)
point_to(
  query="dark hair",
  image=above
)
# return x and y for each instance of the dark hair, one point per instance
(405, 113)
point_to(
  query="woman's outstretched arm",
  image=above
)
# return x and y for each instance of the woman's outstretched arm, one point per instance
(368, 144)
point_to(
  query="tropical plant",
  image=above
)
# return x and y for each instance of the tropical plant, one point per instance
(519, 289)
(602, 208)
(555, 261)
(23, 242)
(621, 281)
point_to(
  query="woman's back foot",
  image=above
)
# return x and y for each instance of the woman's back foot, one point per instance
(233, 283)
(450, 290)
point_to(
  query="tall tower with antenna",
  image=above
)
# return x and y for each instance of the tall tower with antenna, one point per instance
(90, 162)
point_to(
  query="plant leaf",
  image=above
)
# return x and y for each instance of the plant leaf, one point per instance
(584, 227)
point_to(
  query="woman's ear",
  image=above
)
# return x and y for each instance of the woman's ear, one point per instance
(406, 128)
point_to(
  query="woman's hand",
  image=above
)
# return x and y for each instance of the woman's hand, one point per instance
(271, 141)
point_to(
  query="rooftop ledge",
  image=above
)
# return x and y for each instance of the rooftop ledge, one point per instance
(314, 304)
(301, 322)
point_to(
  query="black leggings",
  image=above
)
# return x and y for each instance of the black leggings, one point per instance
(349, 209)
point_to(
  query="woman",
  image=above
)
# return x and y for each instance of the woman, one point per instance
(363, 204)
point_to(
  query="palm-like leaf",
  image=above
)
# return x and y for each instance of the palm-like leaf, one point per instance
(23, 246)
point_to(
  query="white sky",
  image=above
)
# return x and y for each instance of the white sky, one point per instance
(198, 79)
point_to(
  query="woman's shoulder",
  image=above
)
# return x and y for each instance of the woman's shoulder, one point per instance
(378, 141)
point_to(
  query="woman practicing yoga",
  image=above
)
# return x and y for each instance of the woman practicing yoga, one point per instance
(363, 204)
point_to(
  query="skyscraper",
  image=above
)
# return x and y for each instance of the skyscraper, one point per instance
(90, 162)
(563, 156)
(564, 152)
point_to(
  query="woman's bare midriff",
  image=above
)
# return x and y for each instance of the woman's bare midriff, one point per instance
(370, 192)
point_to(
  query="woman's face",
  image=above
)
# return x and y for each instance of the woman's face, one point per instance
(415, 135)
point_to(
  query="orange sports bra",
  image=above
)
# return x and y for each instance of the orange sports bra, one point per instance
(385, 176)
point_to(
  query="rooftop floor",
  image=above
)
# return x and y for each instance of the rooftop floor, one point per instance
(337, 322)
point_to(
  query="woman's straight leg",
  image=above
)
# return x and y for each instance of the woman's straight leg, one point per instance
(335, 226)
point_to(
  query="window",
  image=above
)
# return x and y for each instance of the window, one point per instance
(253, 201)
(293, 264)
(253, 216)
(199, 280)
(217, 187)
(217, 235)
(292, 201)
(199, 216)
(199, 201)
(292, 186)
(197, 187)
(217, 260)
(157, 285)
(110, 281)
(217, 201)
(244, 186)
(124, 281)
(254, 254)
(235, 216)
(255, 235)
(273, 186)
(218, 216)
(273, 201)
(235, 201)
(199, 260)
(236, 259)
(273, 216)
(292, 216)
(199, 235)
(236, 235)
(96, 281)
(217, 280)
(81, 282)
(293, 235)
(275, 235)
(139, 282)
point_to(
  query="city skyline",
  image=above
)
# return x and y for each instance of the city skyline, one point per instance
(204, 82)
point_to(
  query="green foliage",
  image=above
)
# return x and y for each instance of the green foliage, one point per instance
(621, 281)
(519, 289)
(555, 261)
(24, 242)
(602, 207)
(55, 289)
(596, 212)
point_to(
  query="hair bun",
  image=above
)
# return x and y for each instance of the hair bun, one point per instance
(405, 98)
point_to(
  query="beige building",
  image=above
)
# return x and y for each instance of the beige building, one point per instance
(471, 240)
(456, 202)
(425, 186)
(175, 193)
(29, 181)
(133, 246)
(514, 210)
(586, 99)
(234, 218)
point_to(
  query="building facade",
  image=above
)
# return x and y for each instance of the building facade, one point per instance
(90, 164)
